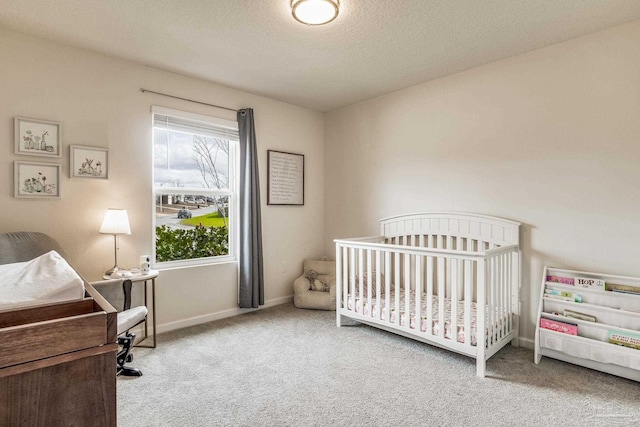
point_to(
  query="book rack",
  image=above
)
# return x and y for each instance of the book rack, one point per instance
(605, 310)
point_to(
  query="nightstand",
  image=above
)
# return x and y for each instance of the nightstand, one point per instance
(148, 278)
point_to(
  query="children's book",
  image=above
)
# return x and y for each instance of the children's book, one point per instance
(554, 325)
(627, 289)
(562, 295)
(588, 282)
(560, 279)
(581, 316)
(626, 339)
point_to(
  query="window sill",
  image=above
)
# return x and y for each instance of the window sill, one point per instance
(178, 265)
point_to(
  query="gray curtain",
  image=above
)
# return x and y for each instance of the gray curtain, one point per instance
(251, 278)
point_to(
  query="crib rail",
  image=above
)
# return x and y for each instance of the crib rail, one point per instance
(429, 287)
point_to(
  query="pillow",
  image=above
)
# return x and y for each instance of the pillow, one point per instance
(45, 279)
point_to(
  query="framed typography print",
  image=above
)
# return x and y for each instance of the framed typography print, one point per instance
(285, 178)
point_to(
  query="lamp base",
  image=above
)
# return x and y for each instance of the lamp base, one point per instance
(112, 270)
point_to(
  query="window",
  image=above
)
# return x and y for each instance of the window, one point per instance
(194, 187)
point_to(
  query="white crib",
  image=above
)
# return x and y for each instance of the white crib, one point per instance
(437, 278)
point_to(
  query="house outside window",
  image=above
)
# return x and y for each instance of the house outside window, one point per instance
(194, 185)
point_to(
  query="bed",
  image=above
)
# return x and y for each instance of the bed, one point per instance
(438, 277)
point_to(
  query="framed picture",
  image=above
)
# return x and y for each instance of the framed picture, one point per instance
(285, 178)
(37, 137)
(36, 180)
(88, 162)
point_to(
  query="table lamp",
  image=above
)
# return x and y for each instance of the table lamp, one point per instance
(116, 221)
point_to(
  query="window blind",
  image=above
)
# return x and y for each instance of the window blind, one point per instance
(179, 124)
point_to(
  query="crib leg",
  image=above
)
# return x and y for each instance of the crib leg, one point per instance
(481, 365)
(345, 321)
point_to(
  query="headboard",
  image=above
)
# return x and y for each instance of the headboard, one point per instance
(21, 246)
(494, 230)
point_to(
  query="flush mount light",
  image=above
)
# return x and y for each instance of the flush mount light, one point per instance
(315, 12)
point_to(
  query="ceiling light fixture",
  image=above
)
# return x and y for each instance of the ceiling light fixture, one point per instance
(315, 12)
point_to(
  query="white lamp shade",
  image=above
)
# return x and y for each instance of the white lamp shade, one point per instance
(315, 12)
(116, 221)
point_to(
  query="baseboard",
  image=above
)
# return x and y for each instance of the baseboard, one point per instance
(527, 343)
(197, 320)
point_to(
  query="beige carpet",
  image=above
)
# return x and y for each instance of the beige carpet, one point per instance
(287, 367)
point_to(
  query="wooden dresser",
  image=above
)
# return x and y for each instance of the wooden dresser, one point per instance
(58, 364)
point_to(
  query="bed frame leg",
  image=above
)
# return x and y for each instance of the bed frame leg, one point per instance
(338, 320)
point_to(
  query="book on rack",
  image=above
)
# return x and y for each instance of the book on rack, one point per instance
(588, 282)
(578, 315)
(555, 325)
(562, 295)
(626, 339)
(560, 279)
(626, 289)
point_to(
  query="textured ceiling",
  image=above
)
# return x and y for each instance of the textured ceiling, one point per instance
(373, 47)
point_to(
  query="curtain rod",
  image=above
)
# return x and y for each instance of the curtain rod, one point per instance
(190, 100)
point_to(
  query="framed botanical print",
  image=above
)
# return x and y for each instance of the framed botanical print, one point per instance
(36, 180)
(35, 137)
(88, 162)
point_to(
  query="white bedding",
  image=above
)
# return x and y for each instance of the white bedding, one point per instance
(45, 279)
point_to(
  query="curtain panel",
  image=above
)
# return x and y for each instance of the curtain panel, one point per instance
(250, 263)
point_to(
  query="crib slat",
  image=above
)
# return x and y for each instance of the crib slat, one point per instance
(468, 297)
(378, 296)
(352, 276)
(505, 293)
(430, 295)
(360, 280)
(501, 297)
(418, 273)
(407, 291)
(495, 283)
(499, 302)
(387, 284)
(441, 295)
(339, 284)
(480, 331)
(454, 299)
(509, 297)
(345, 279)
(369, 279)
(397, 268)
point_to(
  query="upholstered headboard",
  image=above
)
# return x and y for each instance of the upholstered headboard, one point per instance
(22, 246)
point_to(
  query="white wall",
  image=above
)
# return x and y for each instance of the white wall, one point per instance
(97, 100)
(550, 139)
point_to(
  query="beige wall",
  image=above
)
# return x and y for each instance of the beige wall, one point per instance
(98, 102)
(550, 138)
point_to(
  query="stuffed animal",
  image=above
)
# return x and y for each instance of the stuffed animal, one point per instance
(316, 283)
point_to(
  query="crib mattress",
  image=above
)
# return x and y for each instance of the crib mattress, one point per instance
(500, 316)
